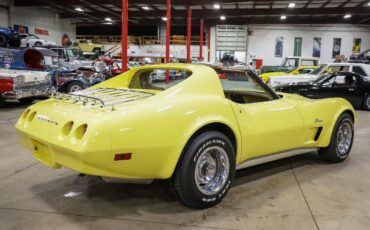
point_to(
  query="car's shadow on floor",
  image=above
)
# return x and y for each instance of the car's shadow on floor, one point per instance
(74, 194)
(10, 106)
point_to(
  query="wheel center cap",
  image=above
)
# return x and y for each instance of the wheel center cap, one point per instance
(210, 171)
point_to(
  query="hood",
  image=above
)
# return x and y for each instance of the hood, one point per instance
(295, 87)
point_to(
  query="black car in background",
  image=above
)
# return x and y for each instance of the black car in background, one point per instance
(351, 86)
(362, 57)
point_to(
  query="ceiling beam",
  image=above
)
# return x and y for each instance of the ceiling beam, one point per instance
(113, 2)
(242, 21)
(230, 13)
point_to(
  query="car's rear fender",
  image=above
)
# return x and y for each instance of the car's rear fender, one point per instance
(156, 133)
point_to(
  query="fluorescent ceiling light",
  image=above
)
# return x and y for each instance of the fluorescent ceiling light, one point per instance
(282, 17)
(222, 17)
(347, 16)
(291, 5)
(164, 18)
(108, 19)
(145, 8)
(79, 9)
(216, 6)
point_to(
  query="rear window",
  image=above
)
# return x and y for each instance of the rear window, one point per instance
(359, 70)
(155, 79)
(306, 62)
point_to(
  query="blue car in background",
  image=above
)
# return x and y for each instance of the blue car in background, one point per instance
(9, 38)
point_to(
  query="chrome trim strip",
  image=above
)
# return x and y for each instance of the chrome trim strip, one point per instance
(273, 157)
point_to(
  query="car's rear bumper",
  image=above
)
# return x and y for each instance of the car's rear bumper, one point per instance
(29, 90)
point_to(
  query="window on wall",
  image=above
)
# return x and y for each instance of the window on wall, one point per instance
(297, 47)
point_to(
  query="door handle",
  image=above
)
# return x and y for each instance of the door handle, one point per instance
(351, 89)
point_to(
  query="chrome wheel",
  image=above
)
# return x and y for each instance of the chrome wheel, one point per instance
(75, 88)
(212, 170)
(344, 137)
(368, 102)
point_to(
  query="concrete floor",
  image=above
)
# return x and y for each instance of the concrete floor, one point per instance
(297, 193)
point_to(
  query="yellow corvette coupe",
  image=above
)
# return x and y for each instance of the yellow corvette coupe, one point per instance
(195, 129)
(299, 70)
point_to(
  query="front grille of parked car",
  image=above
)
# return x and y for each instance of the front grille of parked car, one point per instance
(32, 85)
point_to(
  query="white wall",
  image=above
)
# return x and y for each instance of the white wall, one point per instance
(4, 14)
(40, 18)
(262, 42)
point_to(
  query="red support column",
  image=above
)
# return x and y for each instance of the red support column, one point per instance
(209, 43)
(201, 39)
(188, 37)
(168, 36)
(124, 34)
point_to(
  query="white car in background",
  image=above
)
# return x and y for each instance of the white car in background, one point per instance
(30, 40)
(362, 69)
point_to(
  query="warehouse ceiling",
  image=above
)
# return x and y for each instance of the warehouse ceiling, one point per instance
(152, 12)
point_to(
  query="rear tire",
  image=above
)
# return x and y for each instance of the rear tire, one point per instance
(366, 102)
(2, 101)
(3, 41)
(341, 140)
(37, 44)
(206, 170)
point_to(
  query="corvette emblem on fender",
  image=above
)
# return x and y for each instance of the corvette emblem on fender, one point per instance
(317, 120)
(46, 119)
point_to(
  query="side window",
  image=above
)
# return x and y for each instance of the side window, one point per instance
(359, 70)
(345, 80)
(155, 79)
(335, 69)
(308, 62)
(243, 89)
(339, 80)
(305, 70)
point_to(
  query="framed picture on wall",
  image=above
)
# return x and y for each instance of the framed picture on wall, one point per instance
(316, 52)
(297, 47)
(356, 48)
(279, 42)
(337, 43)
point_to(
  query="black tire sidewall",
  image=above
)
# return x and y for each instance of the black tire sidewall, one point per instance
(187, 172)
(37, 44)
(366, 107)
(343, 118)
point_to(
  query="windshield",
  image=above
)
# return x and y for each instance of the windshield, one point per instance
(318, 70)
(73, 52)
(324, 79)
(33, 36)
(290, 62)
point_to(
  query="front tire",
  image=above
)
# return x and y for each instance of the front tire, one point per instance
(367, 102)
(206, 170)
(341, 140)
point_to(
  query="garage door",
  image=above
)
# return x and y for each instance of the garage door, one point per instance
(231, 38)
